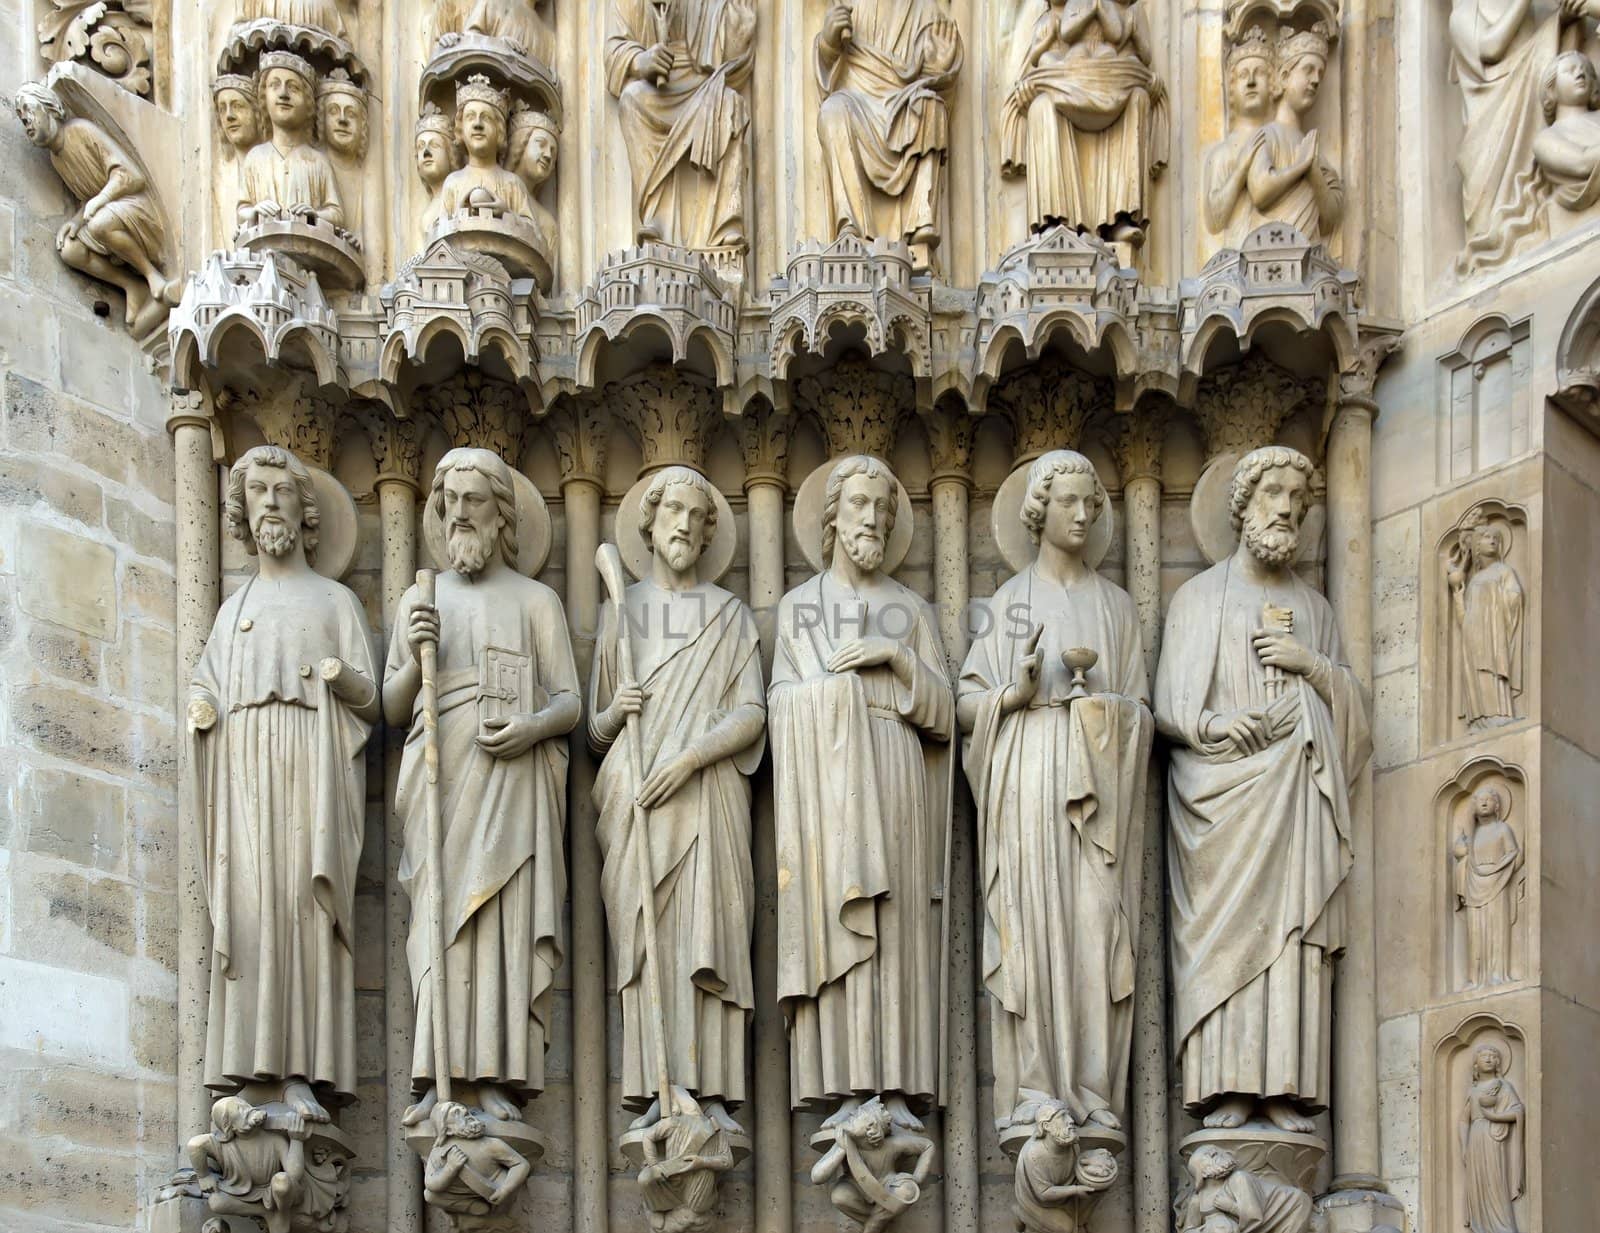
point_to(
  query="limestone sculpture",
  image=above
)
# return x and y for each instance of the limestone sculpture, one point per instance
(1290, 179)
(117, 236)
(1058, 1175)
(1567, 150)
(280, 708)
(321, 15)
(1268, 729)
(237, 108)
(532, 142)
(678, 72)
(342, 123)
(437, 154)
(483, 863)
(469, 1173)
(1488, 860)
(865, 1165)
(1058, 776)
(1228, 213)
(1226, 1198)
(264, 1162)
(678, 711)
(513, 22)
(1492, 1141)
(1487, 603)
(884, 67)
(683, 1157)
(862, 717)
(1086, 122)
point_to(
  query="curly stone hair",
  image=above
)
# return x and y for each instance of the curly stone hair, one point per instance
(493, 468)
(845, 468)
(664, 479)
(1547, 83)
(237, 516)
(1040, 475)
(1249, 470)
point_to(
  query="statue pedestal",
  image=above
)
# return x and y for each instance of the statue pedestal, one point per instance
(510, 238)
(319, 246)
(1361, 1210)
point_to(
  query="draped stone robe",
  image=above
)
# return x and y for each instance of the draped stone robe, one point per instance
(1490, 616)
(1298, 205)
(1060, 796)
(861, 788)
(685, 136)
(86, 162)
(302, 175)
(884, 125)
(507, 188)
(279, 790)
(697, 656)
(1493, 1151)
(1258, 845)
(504, 869)
(1485, 889)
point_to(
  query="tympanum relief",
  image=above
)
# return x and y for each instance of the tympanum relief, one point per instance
(278, 716)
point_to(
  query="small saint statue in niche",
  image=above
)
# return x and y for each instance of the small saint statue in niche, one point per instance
(1228, 163)
(287, 176)
(233, 96)
(1492, 1124)
(1290, 181)
(482, 112)
(117, 236)
(1487, 862)
(437, 154)
(1568, 148)
(1486, 596)
(1087, 120)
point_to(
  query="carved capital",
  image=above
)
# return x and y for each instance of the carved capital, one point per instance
(950, 433)
(189, 407)
(669, 414)
(479, 412)
(1357, 381)
(764, 436)
(1049, 405)
(113, 37)
(1241, 407)
(582, 432)
(857, 407)
(303, 425)
(396, 443)
(1136, 444)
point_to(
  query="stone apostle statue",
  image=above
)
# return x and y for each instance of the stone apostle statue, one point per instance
(862, 717)
(1058, 777)
(508, 690)
(288, 176)
(884, 66)
(678, 71)
(1268, 727)
(1486, 599)
(701, 714)
(279, 711)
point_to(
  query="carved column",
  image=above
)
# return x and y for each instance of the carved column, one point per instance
(581, 432)
(199, 567)
(766, 453)
(1139, 460)
(950, 435)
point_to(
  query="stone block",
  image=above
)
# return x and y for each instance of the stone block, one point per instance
(1400, 1126)
(93, 366)
(27, 336)
(139, 666)
(26, 483)
(1399, 1040)
(79, 1186)
(153, 1033)
(149, 591)
(152, 830)
(60, 916)
(1394, 718)
(93, 732)
(74, 817)
(158, 930)
(45, 421)
(1396, 601)
(8, 239)
(64, 654)
(68, 579)
(73, 1015)
(146, 534)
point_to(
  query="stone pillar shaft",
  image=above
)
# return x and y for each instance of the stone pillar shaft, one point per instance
(199, 586)
(772, 1141)
(1355, 1067)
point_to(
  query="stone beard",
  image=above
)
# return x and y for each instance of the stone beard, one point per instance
(1259, 841)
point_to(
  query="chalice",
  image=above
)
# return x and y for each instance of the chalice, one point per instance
(1078, 660)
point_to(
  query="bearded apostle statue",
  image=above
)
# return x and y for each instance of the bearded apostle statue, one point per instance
(678, 72)
(280, 707)
(682, 706)
(507, 691)
(1268, 730)
(1058, 774)
(862, 717)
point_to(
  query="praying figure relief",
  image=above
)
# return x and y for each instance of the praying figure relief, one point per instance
(280, 707)
(287, 176)
(1268, 729)
(884, 67)
(117, 235)
(1486, 601)
(1492, 1140)
(1086, 123)
(1228, 208)
(1290, 181)
(678, 70)
(1058, 762)
(482, 675)
(1568, 148)
(862, 717)
(1488, 860)
(678, 712)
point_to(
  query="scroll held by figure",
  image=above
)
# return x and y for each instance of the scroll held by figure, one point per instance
(884, 67)
(280, 708)
(1086, 123)
(678, 70)
(1486, 602)
(678, 712)
(1267, 726)
(486, 874)
(862, 717)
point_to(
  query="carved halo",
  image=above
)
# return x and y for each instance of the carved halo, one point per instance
(714, 561)
(1011, 536)
(1213, 525)
(808, 519)
(533, 528)
(339, 528)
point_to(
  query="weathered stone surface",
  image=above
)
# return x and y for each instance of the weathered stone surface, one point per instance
(69, 579)
(94, 733)
(76, 818)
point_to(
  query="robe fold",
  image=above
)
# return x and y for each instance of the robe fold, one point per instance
(301, 176)
(278, 788)
(1298, 206)
(1060, 792)
(87, 160)
(697, 656)
(1493, 1148)
(861, 787)
(1490, 616)
(1485, 892)
(1258, 845)
(504, 865)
